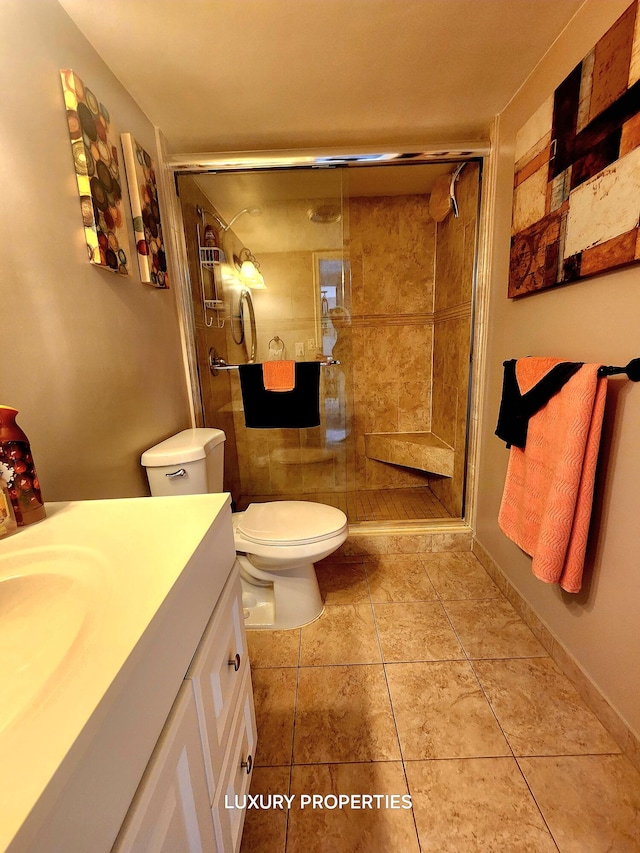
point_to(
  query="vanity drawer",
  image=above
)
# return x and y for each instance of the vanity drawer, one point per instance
(217, 673)
(236, 774)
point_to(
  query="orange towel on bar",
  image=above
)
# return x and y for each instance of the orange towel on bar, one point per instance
(279, 375)
(548, 492)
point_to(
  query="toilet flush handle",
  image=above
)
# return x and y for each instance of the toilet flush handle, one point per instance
(179, 473)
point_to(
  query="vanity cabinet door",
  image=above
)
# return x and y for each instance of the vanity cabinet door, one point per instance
(217, 672)
(170, 811)
(236, 774)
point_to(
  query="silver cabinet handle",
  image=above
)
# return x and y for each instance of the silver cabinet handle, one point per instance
(235, 662)
(179, 473)
(248, 764)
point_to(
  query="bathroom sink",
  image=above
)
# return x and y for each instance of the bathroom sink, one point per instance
(48, 602)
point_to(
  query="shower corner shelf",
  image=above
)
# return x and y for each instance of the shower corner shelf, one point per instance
(422, 451)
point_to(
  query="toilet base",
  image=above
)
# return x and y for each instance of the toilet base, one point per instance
(257, 614)
(290, 599)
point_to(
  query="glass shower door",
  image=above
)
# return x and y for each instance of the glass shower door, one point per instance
(298, 242)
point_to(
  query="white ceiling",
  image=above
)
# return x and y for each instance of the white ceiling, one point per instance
(238, 75)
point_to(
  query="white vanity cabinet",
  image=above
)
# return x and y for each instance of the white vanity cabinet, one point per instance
(217, 673)
(170, 812)
(236, 774)
(204, 756)
(221, 680)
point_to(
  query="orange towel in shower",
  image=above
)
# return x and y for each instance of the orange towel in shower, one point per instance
(279, 375)
(548, 492)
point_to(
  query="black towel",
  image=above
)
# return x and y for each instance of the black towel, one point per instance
(516, 409)
(295, 409)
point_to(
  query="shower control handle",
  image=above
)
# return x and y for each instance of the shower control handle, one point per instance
(173, 474)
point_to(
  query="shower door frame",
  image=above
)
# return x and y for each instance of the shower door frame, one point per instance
(174, 165)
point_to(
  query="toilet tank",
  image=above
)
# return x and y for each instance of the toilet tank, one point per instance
(189, 463)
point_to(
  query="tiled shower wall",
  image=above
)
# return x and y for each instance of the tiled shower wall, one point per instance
(392, 251)
(385, 352)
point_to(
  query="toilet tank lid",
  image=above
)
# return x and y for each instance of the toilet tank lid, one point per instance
(187, 446)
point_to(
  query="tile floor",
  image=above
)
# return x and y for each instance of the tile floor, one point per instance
(411, 504)
(420, 679)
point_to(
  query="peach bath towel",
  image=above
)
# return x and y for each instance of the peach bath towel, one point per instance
(548, 492)
(279, 375)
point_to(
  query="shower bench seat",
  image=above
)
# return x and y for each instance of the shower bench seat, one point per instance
(423, 451)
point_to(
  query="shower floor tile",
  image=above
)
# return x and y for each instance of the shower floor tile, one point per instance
(412, 504)
(497, 754)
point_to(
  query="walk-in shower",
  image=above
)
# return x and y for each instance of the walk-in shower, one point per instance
(362, 269)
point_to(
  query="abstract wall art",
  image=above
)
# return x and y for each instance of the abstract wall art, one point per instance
(576, 201)
(143, 192)
(98, 177)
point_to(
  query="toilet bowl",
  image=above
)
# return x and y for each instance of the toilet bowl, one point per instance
(277, 542)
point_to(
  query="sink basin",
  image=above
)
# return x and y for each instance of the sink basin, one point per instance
(48, 599)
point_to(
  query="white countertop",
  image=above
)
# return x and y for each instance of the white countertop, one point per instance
(98, 574)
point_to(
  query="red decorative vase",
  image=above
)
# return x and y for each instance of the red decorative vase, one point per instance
(18, 471)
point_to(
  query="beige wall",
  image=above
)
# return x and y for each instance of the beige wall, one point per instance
(91, 359)
(594, 320)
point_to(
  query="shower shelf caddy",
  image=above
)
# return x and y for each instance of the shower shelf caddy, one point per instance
(210, 260)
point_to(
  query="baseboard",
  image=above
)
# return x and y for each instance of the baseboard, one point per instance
(364, 541)
(626, 739)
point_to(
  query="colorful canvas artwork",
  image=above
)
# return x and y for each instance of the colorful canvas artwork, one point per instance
(143, 192)
(576, 201)
(98, 175)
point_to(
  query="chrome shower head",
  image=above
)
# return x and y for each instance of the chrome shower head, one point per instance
(252, 211)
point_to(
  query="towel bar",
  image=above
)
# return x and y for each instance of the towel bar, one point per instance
(216, 363)
(632, 370)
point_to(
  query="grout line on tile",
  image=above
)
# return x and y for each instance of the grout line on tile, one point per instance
(477, 678)
(328, 665)
(395, 724)
(293, 736)
(533, 797)
(568, 755)
(393, 713)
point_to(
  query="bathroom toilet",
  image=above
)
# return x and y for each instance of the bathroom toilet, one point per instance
(277, 542)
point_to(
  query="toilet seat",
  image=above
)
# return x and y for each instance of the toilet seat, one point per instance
(290, 523)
